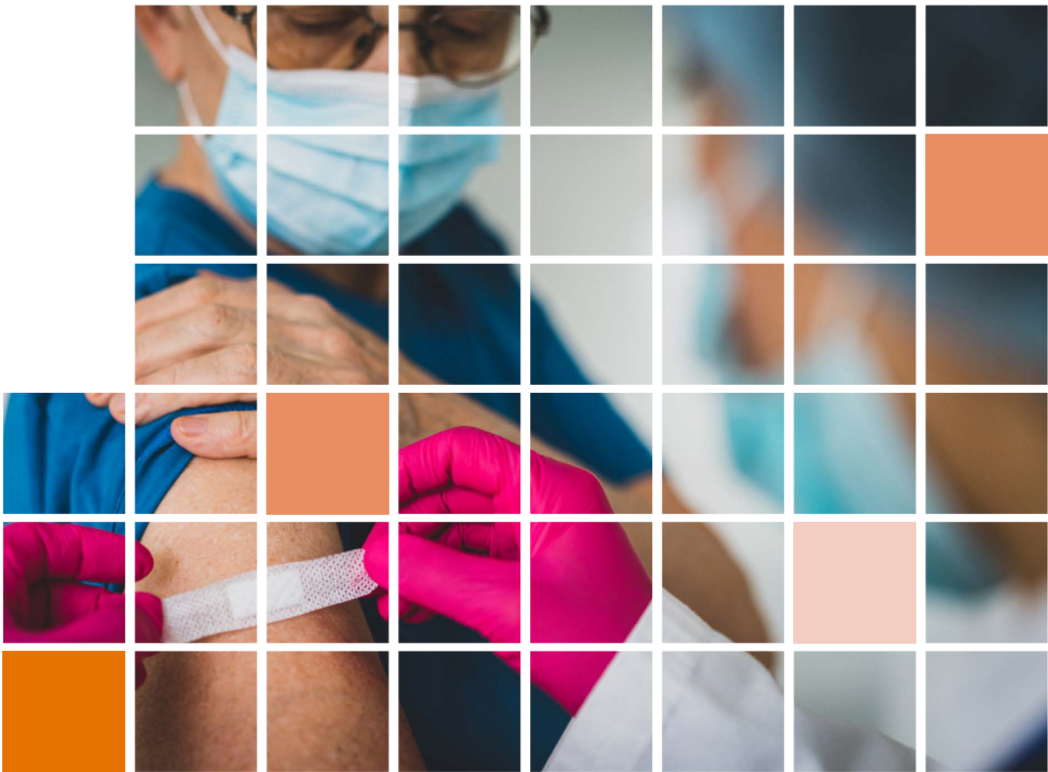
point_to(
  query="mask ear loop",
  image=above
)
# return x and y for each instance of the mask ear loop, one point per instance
(185, 96)
(209, 33)
(192, 116)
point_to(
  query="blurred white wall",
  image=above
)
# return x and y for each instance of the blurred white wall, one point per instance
(591, 195)
(593, 68)
(682, 287)
(603, 314)
(678, 105)
(874, 689)
(494, 192)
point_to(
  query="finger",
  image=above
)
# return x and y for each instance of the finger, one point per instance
(383, 605)
(117, 407)
(452, 501)
(234, 365)
(105, 625)
(203, 289)
(457, 585)
(60, 551)
(463, 457)
(149, 407)
(217, 435)
(143, 561)
(140, 669)
(469, 537)
(301, 308)
(98, 400)
(196, 332)
(149, 618)
(426, 530)
(274, 287)
(376, 555)
(289, 368)
(53, 604)
(414, 614)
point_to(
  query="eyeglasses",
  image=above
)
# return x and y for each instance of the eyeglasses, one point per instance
(470, 45)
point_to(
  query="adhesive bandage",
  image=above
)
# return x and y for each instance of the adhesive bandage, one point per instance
(292, 589)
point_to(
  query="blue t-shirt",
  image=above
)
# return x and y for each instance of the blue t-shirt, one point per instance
(173, 222)
(62, 456)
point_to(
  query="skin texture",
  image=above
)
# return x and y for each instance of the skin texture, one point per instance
(326, 711)
(198, 710)
(213, 486)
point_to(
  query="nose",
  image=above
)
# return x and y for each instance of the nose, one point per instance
(411, 60)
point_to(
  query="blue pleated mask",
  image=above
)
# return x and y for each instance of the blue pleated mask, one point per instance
(329, 195)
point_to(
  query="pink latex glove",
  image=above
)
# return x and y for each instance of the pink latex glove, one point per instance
(470, 471)
(44, 600)
(469, 572)
(149, 625)
(587, 586)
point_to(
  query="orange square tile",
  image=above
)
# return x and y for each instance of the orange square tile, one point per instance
(855, 583)
(327, 454)
(986, 194)
(63, 710)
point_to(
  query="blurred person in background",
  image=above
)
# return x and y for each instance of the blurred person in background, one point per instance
(856, 325)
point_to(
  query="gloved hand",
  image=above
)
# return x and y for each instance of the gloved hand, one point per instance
(149, 624)
(587, 586)
(469, 572)
(44, 600)
(470, 471)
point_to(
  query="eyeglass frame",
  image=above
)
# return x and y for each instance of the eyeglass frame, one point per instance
(540, 18)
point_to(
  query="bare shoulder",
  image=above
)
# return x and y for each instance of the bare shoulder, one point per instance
(214, 486)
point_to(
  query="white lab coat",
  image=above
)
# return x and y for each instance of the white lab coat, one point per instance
(721, 711)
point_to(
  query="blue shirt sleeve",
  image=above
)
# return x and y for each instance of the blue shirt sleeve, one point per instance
(172, 222)
(159, 460)
(584, 425)
(461, 322)
(587, 427)
(150, 278)
(62, 456)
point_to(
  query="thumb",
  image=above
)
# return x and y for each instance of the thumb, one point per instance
(482, 593)
(376, 555)
(217, 435)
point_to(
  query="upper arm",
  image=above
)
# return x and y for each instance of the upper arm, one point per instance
(342, 623)
(213, 486)
(170, 480)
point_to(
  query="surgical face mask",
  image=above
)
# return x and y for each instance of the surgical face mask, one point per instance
(328, 195)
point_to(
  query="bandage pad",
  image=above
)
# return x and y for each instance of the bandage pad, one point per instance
(292, 589)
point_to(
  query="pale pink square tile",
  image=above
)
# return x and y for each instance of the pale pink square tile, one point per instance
(855, 583)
